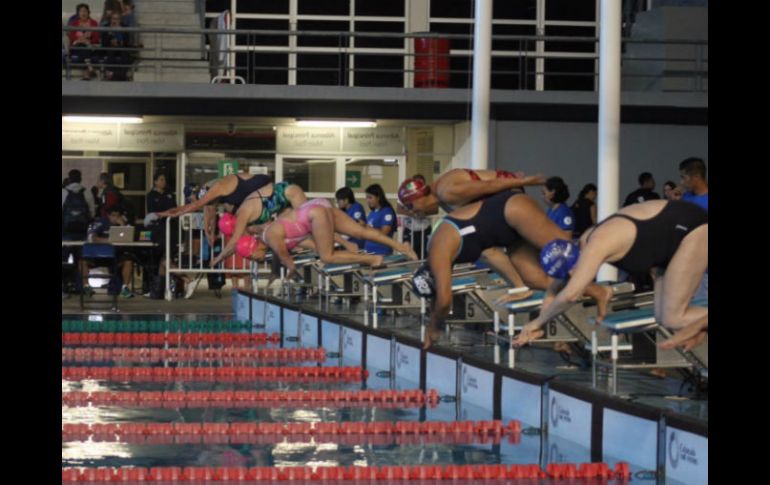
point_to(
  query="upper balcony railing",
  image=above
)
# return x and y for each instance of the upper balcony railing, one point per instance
(408, 60)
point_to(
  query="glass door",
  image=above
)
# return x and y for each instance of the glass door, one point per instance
(318, 176)
(131, 176)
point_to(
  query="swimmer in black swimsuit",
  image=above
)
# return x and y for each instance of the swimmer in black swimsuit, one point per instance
(670, 239)
(231, 189)
(457, 188)
(507, 219)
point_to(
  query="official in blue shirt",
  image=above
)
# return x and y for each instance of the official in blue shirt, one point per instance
(693, 173)
(701, 200)
(347, 202)
(382, 217)
(555, 195)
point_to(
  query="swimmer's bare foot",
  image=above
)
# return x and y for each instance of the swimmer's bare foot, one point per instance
(688, 338)
(694, 342)
(431, 335)
(661, 373)
(527, 335)
(514, 297)
(562, 347)
(407, 251)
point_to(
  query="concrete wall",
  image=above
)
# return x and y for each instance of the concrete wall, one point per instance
(89, 169)
(569, 150)
(667, 23)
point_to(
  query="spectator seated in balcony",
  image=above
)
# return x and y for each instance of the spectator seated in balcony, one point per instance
(112, 59)
(82, 42)
(129, 20)
(110, 7)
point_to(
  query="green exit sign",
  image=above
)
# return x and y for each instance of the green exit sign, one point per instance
(227, 167)
(353, 179)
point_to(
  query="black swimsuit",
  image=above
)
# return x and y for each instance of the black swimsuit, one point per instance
(487, 229)
(246, 188)
(658, 238)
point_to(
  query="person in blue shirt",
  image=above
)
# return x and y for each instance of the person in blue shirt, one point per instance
(99, 232)
(555, 194)
(347, 202)
(693, 173)
(381, 217)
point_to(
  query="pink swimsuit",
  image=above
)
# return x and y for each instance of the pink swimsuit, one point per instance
(299, 229)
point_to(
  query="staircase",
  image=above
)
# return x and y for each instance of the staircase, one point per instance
(667, 74)
(171, 57)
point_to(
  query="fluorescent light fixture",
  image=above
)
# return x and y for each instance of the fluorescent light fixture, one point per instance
(336, 124)
(102, 119)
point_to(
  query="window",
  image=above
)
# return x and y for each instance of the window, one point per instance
(575, 10)
(313, 175)
(326, 7)
(379, 70)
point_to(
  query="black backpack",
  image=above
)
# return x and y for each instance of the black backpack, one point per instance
(75, 215)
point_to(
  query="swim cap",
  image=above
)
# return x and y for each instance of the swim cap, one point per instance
(227, 223)
(411, 190)
(558, 257)
(246, 246)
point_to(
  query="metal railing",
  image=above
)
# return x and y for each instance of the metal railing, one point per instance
(649, 60)
(190, 262)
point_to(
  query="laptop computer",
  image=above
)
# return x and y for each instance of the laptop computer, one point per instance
(121, 234)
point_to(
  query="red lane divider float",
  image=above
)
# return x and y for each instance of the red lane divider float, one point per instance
(182, 354)
(214, 374)
(349, 433)
(233, 399)
(174, 339)
(373, 473)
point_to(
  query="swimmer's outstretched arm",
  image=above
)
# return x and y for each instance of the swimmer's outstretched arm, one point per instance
(277, 243)
(209, 223)
(441, 268)
(550, 293)
(584, 273)
(215, 192)
(474, 189)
